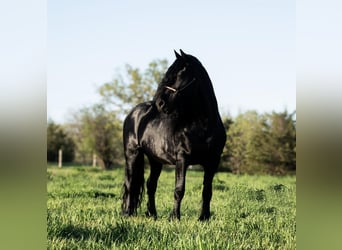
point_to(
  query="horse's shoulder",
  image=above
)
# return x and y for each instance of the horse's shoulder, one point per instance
(140, 108)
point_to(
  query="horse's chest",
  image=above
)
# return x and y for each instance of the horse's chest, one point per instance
(194, 140)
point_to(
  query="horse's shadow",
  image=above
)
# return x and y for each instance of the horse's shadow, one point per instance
(117, 233)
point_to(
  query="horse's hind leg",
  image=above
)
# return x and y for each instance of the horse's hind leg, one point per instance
(134, 181)
(151, 185)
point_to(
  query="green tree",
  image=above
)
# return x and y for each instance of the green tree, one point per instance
(226, 154)
(242, 142)
(278, 147)
(96, 129)
(75, 127)
(57, 138)
(101, 132)
(262, 143)
(133, 87)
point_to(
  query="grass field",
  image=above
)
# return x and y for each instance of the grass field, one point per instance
(249, 212)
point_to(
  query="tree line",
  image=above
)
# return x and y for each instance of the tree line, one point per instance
(256, 143)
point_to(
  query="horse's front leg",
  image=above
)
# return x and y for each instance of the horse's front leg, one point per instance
(179, 188)
(206, 194)
(151, 185)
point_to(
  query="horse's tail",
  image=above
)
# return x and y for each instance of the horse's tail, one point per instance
(133, 188)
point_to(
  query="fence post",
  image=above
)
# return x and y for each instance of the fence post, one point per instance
(94, 160)
(60, 155)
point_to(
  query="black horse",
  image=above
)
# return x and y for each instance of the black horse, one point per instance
(181, 126)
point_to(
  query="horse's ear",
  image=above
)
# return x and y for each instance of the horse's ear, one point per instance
(178, 56)
(183, 54)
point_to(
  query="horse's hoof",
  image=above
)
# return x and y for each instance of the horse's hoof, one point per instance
(204, 217)
(127, 213)
(174, 217)
(151, 215)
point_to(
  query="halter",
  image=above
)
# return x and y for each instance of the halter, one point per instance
(182, 88)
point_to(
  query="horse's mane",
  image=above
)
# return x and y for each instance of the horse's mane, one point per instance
(206, 86)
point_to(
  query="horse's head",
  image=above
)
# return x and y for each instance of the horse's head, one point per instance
(179, 85)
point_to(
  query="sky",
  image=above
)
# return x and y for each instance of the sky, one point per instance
(247, 47)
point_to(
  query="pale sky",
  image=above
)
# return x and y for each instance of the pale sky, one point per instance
(247, 47)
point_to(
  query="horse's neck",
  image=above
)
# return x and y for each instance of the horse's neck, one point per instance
(207, 118)
(208, 97)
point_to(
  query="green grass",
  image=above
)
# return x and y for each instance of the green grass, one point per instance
(249, 212)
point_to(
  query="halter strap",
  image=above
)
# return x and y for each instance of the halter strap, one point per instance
(182, 88)
(169, 88)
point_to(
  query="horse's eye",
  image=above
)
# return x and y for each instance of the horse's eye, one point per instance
(181, 71)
